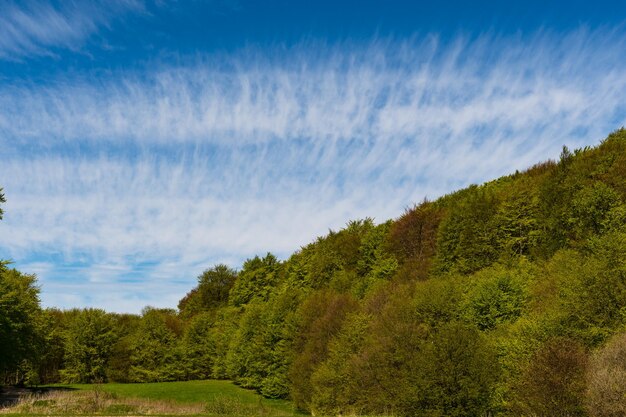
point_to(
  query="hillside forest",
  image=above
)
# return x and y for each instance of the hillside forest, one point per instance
(503, 299)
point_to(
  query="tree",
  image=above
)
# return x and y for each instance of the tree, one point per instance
(336, 386)
(256, 280)
(553, 384)
(497, 295)
(457, 372)
(156, 355)
(516, 219)
(320, 318)
(225, 324)
(212, 291)
(198, 346)
(20, 318)
(88, 347)
(51, 361)
(590, 208)
(126, 326)
(413, 239)
(467, 240)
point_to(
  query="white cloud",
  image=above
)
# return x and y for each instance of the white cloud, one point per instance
(137, 182)
(34, 27)
(384, 90)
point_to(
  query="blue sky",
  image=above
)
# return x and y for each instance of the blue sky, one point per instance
(142, 142)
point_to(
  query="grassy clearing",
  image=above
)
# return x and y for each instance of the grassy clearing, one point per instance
(207, 398)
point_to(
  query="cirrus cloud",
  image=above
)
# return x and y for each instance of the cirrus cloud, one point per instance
(123, 186)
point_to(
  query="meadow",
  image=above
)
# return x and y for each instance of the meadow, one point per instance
(219, 398)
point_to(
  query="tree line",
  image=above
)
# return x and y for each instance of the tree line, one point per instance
(507, 298)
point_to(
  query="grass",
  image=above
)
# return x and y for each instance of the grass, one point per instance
(206, 398)
(190, 392)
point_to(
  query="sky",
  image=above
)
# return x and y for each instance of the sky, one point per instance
(142, 142)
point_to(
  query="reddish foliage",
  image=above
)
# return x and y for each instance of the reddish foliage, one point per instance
(413, 239)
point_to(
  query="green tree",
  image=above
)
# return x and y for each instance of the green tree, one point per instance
(553, 384)
(244, 364)
(51, 361)
(515, 221)
(467, 240)
(336, 386)
(590, 208)
(592, 288)
(497, 295)
(126, 325)
(21, 325)
(256, 280)
(156, 355)
(212, 291)
(458, 371)
(198, 346)
(222, 333)
(319, 319)
(88, 347)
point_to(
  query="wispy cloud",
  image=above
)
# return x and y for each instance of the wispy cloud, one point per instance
(384, 89)
(150, 177)
(35, 27)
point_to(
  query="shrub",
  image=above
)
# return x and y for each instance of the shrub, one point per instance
(606, 378)
(553, 384)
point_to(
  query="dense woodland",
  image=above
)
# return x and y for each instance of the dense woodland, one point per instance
(507, 298)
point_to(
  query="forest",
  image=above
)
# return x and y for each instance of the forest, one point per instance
(505, 299)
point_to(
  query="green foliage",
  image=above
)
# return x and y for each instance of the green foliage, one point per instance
(458, 370)
(280, 327)
(386, 364)
(199, 347)
(221, 335)
(319, 319)
(467, 239)
(375, 263)
(336, 390)
(553, 383)
(515, 222)
(337, 260)
(21, 321)
(590, 208)
(126, 325)
(256, 280)
(497, 295)
(88, 347)
(156, 355)
(261, 352)
(212, 291)
(592, 297)
(242, 361)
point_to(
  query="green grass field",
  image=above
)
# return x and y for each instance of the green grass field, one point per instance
(214, 398)
(189, 392)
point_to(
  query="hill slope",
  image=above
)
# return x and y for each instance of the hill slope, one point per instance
(508, 298)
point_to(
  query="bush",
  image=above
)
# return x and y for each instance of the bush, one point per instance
(553, 384)
(606, 378)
